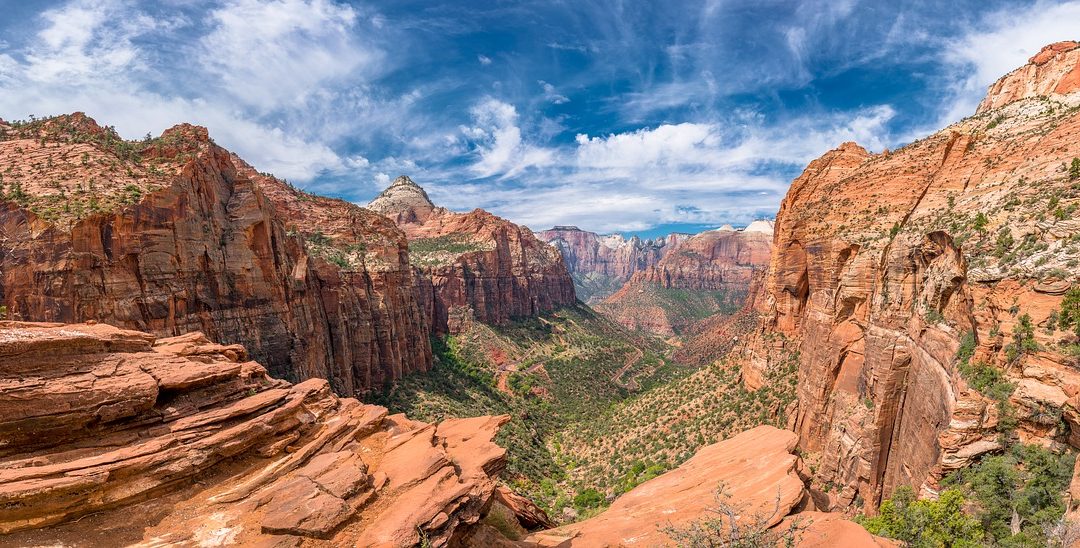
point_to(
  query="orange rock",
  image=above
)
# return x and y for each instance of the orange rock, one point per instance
(722, 261)
(881, 264)
(474, 265)
(1054, 70)
(186, 237)
(158, 440)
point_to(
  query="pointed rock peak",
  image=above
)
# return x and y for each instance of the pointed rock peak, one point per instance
(726, 228)
(403, 180)
(1055, 70)
(403, 200)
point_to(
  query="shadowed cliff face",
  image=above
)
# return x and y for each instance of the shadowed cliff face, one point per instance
(882, 263)
(474, 265)
(185, 239)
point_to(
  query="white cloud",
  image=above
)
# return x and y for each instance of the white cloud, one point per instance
(708, 173)
(999, 43)
(497, 142)
(273, 52)
(551, 94)
(484, 59)
(258, 78)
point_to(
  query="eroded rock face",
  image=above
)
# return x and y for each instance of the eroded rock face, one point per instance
(601, 264)
(1053, 71)
(474, 265)
(883, 262)
(95, 419)
(709, 273)
(186, 240)
(761, 480)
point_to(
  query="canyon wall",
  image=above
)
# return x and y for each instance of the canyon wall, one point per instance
(174, 235)
(601, 264)
(707, 274)
(474, 265)
(892, 272)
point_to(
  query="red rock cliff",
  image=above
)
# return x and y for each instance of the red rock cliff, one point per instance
(882, 263)
(111, 437)
(709, 273)
(600, 265)
(172, 236)
(1053, 71)
(475, 264)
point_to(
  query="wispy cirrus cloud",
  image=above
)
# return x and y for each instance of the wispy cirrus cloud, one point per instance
(606, 114)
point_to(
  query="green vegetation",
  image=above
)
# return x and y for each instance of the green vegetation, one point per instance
(441, 249)
(989, 381)
(1017, 496)
(592, 287)
(1074, 169)
(1023, 339)
(656, 430)
(550, 374)
(926, 523)
(682, 308)
(1069, 315)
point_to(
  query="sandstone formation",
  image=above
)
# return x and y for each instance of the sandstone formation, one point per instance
(761, 482)
(1055, 70)
(600, 265)
(883, 264)
(708, 274)
(110, 437)
(474, 265)
(174, 235)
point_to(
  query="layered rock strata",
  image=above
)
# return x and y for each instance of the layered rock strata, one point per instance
(181, 441)
(601, 264)
(474, 265)
(175, 235)
(710, 273)
(885, 265)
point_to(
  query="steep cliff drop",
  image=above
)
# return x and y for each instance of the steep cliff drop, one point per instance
(601, 264)
(708, 274)
(174, 235)
(114, 438)
(901, 277)
(474, 265)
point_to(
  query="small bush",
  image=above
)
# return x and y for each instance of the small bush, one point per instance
(925, 523)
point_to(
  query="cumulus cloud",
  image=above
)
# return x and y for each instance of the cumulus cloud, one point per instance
(483, 59)
(252, 68)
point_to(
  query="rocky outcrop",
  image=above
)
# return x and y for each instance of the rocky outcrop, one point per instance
(884, 264)
(1055, 70)
(474, 265)
(175, 235)
(181, 441)
(759, 480)
(601, 264)
(708, 274)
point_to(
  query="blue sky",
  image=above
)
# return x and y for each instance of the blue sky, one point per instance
(628, 116)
